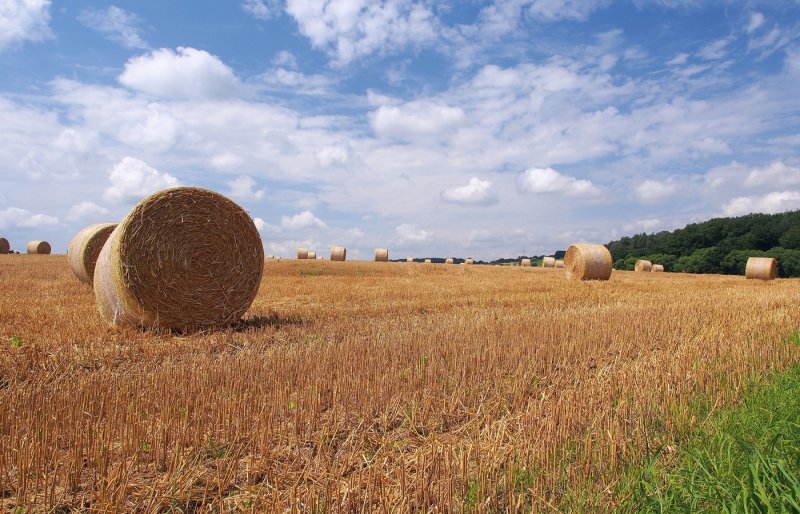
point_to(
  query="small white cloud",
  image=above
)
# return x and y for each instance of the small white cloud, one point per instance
(301, 220)
(332, 155)
(133, 179)
(417, 119)
(776, 174)
(552, 10)
(777, 201)
(226, 161)
(24, 20)
(285, 59)
(16, 217)
(243, 188)
(411, 233)
(264, 227)
(282, 78)
(117, 25)
(86, 210)
(756, 20)
(186, 73)
(354, 233)
(548, 180)
(714, 51)
(477, 191)
(678, 60)
(647, 225)
(261, 9)
(651, 191)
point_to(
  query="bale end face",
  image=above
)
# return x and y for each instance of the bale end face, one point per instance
(311, 255)
(84, 249)
(585, 261)
(658, 268)
(525, 262)
(381, 255)
(549, 262)
(409, 259)
(39, 248)
(761, 268)
(469, 261)
(427, 261)
(559, 263)
(449, 260)
(643, 265)
(5, 246)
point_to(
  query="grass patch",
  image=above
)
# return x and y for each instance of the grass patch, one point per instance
(747, 459)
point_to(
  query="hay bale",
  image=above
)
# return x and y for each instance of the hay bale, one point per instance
(427, 261)
(338, 253)
(39, 248)
(449, 260)
(559, 263)
(409, 259)
(525, 262)
(311, 255)
(302, 253)
(761, 268)
(469, 261)
(320, 258)
(381, 255)
(585, 261)
(5, 246)
(549, 262)
(183, 258)
(85, 248)
(643, 265)
(658, 268)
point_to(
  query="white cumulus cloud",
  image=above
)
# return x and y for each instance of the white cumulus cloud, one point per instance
(86, 210)
(301, 220)
(16, 217)
(261, 9)
(775, 174)
(24, 20)
(548, 180)
(244, 188)
(133, 179)
(416, 119)
(476, 192)
(777, 201)
(117, 25)
(408, 232)
(654, 191)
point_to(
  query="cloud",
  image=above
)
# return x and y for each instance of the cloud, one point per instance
(117, 25)
(775, 174)
(476, 192)
(756, 20)
(642, 225)
(714, 51)
(242, 188)
(296, 82)
(408, 233)
(16, 217)
(285, 59)
(86, 210)
(678, 60)
(332, 155)
(777, 201)
(552, 10)
(24, 20)
(548, 180)
(348, 30)
(651, 191)
(301, 220)
(133, 179)
(264, 227)
(416, 119)
(261, 9)
(186, 73)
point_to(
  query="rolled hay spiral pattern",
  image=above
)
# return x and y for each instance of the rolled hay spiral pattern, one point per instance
(761, 268)
(84, 249)
(183, 258)
(586, 261)
(381, 255)
(39, 248)
(5, 246)
(338, 253)
(643, 265)
(549, 262)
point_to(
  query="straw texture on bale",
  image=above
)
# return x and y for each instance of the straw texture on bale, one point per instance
(549, 262)
(311, 255)
(427, 261)
(585, 261)
(84, 249)
(525, 262)
(469, 261)
(409, 259)
(381, 255)
(39, 248)
(762, 268)
(338, 253)
(449, 260)
(643, 265)
(658, 268)
(559, 263)
(183, 258)
(302, 253)
(5, 246)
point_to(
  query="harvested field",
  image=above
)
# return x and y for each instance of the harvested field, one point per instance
(420, 389)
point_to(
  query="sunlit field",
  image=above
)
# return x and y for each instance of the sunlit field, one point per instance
(374, 387)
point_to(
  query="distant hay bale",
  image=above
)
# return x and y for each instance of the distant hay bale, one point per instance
(469, 261)
(449, 260)
(320, 258)
(85, 248)
(427, 261)
(761, 268)
(658, 268)
(409, 259)
(549, 262)
(338, 253)
(559, 263)
(311, 255)
(525, 262)
(585, 261)
(643, 265)
(183, 258)
(5, 246)
(381, 255)
(39, 248)
(302, 253)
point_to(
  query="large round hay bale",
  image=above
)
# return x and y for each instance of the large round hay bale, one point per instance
(469, 261)
(39, 248)
(183, 258)
(586, 261)
(302, 253)
(427, 261)
(409, 259)
(311, 255)
(658, 268)
(762, 268)
(549, 262)
(525, 262)
(85, 248)
(449, 260)
(643, 265)
(338, 253)
(381, 255)
(559, 263)
(5, 246)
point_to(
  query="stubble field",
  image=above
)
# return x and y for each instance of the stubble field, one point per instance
(373, 387)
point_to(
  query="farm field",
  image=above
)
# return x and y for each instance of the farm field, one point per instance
(374, 387)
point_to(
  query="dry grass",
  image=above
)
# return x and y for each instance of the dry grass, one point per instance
(421, 389)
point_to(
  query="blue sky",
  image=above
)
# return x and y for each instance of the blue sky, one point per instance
(481, 128)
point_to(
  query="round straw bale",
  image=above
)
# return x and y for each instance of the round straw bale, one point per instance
(338, 253)
(183, 258)
(549, 262)
(302, 253)
(5, 246)
(762, 268)
(85, 248)
(427, 261)
(381, 255)
(643, 265)
(525, 262)
(658, 268)
(585, 261)
(469, 261)
(320, 258)
(311, 255)
(449, 260)
(409, 259)
(559, 263)
(39, 248)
